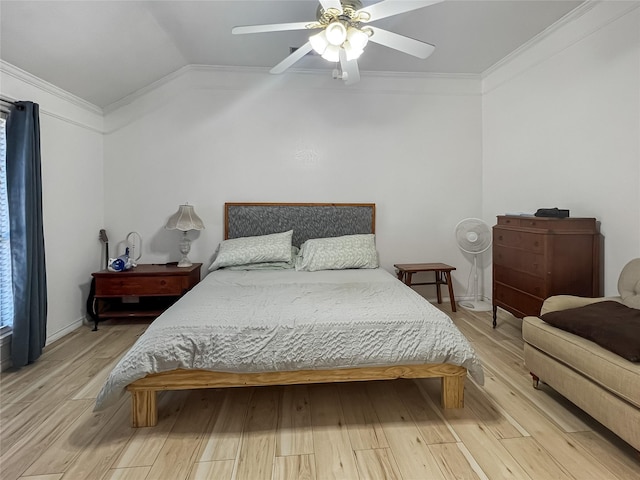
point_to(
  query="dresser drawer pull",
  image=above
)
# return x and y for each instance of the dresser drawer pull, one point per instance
(163, 282)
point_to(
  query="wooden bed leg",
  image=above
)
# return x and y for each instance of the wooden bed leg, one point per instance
(144, 410)
(452, 391)
(536, 380)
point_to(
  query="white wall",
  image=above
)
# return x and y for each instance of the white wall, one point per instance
(72, 178)
(561, 128)
(557, 125)
(411, 145)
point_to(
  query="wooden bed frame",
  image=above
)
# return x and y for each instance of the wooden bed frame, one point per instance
(144, 410)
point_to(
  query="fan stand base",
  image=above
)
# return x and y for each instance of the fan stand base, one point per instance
(476, 305)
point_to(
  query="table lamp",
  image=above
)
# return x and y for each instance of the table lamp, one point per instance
(185, 219)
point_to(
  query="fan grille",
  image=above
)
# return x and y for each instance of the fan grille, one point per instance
(473, 235)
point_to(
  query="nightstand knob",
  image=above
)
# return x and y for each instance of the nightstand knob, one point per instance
(163, 282)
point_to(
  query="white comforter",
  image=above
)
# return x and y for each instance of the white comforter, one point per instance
(261, 321)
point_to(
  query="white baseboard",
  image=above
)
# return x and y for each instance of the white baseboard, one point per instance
(64, 331)
(5, 343)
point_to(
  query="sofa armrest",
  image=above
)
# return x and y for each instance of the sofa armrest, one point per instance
(564, 302)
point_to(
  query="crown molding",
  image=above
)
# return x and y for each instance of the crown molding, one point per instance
(571, 17)
(173, 76)
(324, 72)
(568, 18)
(265, 70)
(146, 89)
(8, 69)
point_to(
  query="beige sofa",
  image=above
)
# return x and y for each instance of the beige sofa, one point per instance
(601, 383)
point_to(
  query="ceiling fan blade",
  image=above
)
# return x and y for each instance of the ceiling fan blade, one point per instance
(275, 27)
(388, 8)
(291, 59)
(350, 71)
(327, 4)
(400, 42)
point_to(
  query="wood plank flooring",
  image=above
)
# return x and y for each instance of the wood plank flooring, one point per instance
(353, 431)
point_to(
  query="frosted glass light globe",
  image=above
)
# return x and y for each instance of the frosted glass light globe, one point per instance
(336, 33)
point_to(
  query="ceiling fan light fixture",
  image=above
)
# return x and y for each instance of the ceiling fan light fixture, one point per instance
(336, 33)
(357, 38)
(344, 33)
(319, 42)
(352, 53)
(332, 53)
(355, 43)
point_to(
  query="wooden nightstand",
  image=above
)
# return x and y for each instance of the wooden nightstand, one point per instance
(144, 291)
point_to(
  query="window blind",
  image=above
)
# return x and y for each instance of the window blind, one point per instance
(6, 283)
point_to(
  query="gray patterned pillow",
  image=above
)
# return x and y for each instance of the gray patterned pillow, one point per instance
(338, 253)
(275, 247)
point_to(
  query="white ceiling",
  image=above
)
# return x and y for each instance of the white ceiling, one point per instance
(102, 51)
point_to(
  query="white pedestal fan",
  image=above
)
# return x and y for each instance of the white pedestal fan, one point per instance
(474, 236)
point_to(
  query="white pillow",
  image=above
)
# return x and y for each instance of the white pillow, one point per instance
(270, 265)
(337, 253)
(275, 247)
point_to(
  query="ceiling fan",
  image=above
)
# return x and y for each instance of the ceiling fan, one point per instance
(344, 31)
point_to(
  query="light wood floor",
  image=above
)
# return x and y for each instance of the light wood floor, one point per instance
(368, 430)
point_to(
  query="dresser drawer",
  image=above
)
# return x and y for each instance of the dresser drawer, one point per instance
(523, 221)
(510, 221)
(545, 224)
(519, 260)
(521, 301)
(520, 280)
(531, 242)
(140, 286)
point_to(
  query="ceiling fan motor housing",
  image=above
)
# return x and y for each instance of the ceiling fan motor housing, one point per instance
(348, 15)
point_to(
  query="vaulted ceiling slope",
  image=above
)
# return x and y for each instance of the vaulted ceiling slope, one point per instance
(102, 51)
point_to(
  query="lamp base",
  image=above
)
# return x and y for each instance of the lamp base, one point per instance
(184, 262)
(185, 248)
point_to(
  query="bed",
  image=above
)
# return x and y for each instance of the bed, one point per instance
(281, 325)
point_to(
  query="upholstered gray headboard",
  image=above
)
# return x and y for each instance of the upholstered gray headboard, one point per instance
(307, 220)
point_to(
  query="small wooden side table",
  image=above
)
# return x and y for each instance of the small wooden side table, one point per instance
(442, 272)
(154, 288)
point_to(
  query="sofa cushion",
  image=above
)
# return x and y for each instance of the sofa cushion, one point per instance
(611, 325)
(609, 370)
(629, 284)
(612, 411)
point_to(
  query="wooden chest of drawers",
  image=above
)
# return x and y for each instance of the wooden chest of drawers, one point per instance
(535, 258)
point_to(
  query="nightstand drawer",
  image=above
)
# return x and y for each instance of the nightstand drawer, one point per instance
(140, 286)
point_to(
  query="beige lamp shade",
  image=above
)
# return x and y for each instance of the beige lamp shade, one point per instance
(185, 219)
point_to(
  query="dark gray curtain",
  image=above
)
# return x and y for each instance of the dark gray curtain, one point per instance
(24, 191)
